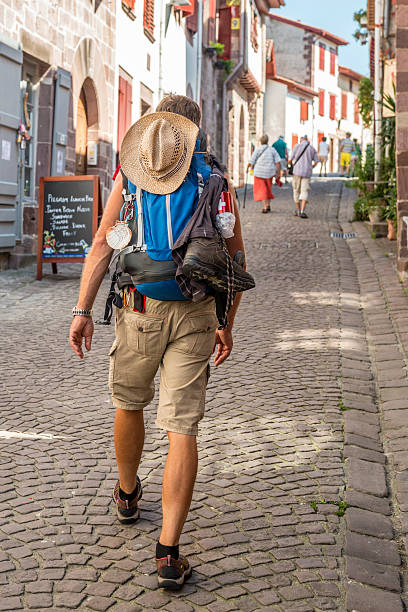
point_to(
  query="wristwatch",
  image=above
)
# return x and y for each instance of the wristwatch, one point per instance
(81, 311)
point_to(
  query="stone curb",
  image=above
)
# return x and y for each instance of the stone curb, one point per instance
(376, 449)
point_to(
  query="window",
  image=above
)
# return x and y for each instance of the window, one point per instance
(148, 19)
(332, 61)
(332, 113)
(321, 102)
(124, 107)
(344, 106)
(192, 18)
(224, 30)
(295, 140)
(321, 56)
(350, 85)
(304, 110)
(356, 111)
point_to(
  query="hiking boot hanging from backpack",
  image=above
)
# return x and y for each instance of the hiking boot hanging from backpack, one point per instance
(206, 260)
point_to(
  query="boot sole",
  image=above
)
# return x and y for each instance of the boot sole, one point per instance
(195, 270)
(174, 584)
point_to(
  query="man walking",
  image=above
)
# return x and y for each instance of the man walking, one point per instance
(175, 334)
(346, 149)
(323, 155)
(304, 158)
(282, 148)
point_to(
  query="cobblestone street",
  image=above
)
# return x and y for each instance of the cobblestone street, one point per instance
(306, 417)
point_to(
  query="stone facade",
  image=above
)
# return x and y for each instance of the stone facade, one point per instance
(79, 37)
(402, 132)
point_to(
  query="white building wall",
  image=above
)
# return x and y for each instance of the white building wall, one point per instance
(132, 51)
(173, 77)
(274, 109)
(294, 126)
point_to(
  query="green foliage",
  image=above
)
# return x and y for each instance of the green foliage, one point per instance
(219, 47)
(366, 101)
(342, 406)
(361, 34)
(341, 505)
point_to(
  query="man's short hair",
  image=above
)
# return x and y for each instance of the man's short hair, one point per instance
(305, 137)
(264, 139)
(348, 134)
(324, 139)
(283, 138)
(181, 105)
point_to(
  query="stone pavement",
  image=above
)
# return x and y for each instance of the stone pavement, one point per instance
(306, 417)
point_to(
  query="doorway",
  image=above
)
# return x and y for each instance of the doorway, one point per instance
(87, 126)
(331, 162)
(81, 136)
(241, 176)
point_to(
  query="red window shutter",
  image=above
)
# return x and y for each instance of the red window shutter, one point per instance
(320, 136)
(321, 102)
(124, 109)
(295, 140)
(332, 114)
(212, 9)
(304, 110)
(224, 30)
(321, 57)
(148, 17)
(192, 19)
(356, 111)
(344, 106)
(332, 62)
(129, 3)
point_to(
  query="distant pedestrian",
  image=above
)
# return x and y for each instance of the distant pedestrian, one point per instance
(323, 155)
(304, 158)
(346, 149)
(265, 161)
(282, 148)
(355, 156)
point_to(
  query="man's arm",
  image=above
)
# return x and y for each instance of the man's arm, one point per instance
(224, 336)
(94, 270)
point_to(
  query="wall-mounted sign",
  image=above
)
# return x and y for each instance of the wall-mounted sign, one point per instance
(92, 154)
(68, 218)
(235, 23)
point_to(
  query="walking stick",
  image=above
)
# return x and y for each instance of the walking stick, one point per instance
(245, 190)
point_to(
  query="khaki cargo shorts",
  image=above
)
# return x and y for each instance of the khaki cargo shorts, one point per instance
(179, 338)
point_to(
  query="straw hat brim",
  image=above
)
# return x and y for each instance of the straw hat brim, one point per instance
(130, 153)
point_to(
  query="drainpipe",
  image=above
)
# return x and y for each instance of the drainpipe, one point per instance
(377, 87)
(228, 80)
(199, 50)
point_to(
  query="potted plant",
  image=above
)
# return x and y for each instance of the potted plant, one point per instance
(226, 64)
(390, 213)
(215, 49)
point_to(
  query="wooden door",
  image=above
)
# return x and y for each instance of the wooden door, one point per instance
(81, 137)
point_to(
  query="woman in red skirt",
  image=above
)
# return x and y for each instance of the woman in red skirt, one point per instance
(265, 161)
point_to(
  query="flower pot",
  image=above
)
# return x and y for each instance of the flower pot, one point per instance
(392, 235)
(374, 215)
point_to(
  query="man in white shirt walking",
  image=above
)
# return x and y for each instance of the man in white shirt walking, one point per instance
(304, 158)
(323, 155)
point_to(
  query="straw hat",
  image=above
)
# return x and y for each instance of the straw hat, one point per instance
(156, 151)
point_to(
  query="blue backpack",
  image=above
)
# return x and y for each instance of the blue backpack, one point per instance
(158, 221)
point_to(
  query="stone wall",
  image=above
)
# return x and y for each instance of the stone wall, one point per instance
(65, 34)
(402, 132)
(293, 51)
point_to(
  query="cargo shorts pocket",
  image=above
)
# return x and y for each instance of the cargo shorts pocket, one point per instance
(112, 352)
(144, 335)
(201, 338)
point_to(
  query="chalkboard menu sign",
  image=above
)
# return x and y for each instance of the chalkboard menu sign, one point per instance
(68, 218)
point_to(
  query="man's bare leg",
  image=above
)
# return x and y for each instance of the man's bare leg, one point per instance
(303, 205)
(129, 435)
(178, 484)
